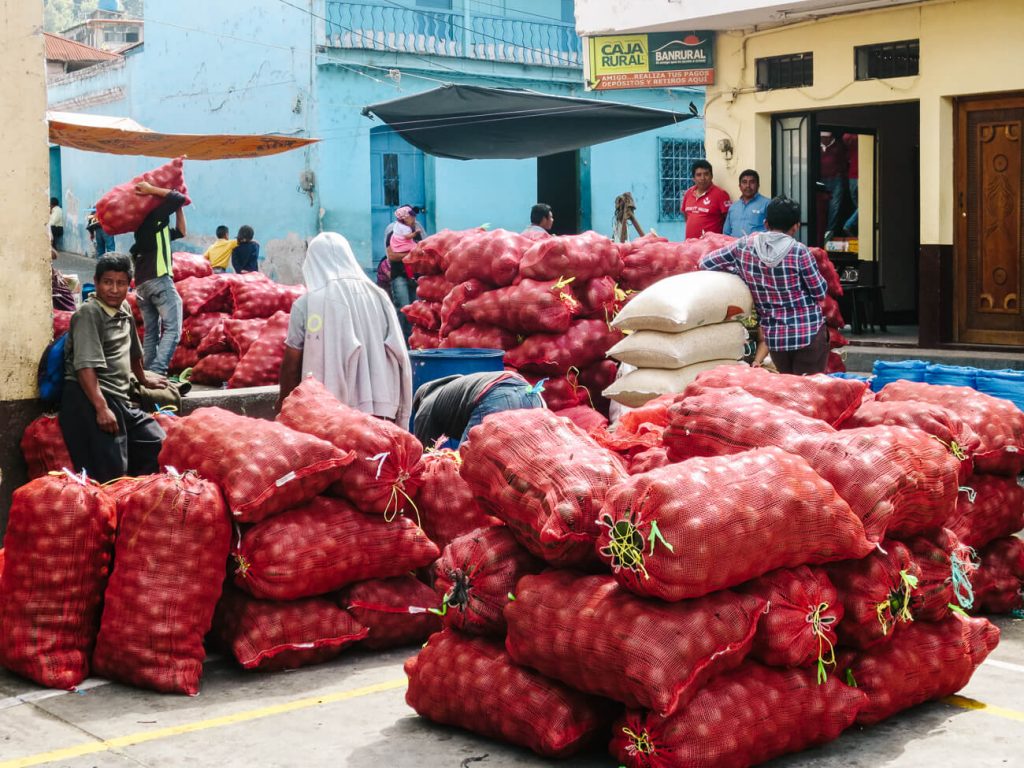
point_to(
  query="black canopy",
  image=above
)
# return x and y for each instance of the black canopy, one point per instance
(469, 122)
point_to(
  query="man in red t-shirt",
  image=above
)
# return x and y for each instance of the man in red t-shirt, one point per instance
(704, 205)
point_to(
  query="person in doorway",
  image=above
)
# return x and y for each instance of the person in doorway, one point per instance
(833, 176)
(158, 299)
(542, 219)
(746, 215)
(106, 435)
(219, 253)
(60, 292)
(786, 285)
(450, 407)
(56, 223)
(245, 256)
(704, 205)
(852, 172)
(400, 237)
(103, 242)
(345, 332)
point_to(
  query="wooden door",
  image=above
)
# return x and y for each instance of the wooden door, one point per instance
(989, 182)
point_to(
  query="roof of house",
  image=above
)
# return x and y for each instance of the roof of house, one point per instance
(61, 49)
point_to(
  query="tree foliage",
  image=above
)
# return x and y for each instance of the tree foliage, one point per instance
(58, 15)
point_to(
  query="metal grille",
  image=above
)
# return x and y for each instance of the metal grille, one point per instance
(897, 59)
(391, 180)
(795, 70)
(676, 157)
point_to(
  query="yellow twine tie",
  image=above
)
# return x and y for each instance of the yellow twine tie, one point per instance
(817, 621)
(641, 743)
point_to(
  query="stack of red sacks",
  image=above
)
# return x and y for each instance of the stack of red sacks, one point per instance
(830, 308)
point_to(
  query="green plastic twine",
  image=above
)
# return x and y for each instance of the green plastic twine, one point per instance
(1017, 613)
(818, 622)
(971, 493)
(850, 680)
(962, 563)
(656, 537)
(956, 609)
(908, 583)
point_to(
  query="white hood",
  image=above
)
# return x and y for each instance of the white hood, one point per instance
(771, 247)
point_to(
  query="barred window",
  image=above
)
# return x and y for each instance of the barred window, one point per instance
(795, 70)
(676, 157)
(897, 59)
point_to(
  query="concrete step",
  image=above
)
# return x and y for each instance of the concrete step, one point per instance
(861, 357)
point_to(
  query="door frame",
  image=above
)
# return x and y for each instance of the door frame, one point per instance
(809, 220)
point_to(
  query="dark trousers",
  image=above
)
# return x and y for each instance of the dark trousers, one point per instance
(132, 451)
(807, 360)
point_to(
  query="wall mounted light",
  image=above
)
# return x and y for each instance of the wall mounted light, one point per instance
(725, 147)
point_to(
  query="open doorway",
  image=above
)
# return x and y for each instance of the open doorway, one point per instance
(558, 185)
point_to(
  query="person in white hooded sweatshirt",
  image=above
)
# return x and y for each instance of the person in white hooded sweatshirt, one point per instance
(345, 332)
(787, 287)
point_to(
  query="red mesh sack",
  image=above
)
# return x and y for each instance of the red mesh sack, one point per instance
(999, 580)
(923, 662)
(947, 567)
(876, 593)
(430, 256)
(646, 461)
(154, 621)
(998, 423)
(474, 577)
(741, 718)
(799, 629)
(453, 307)
(263, 467)
(584, 417)
(655, 261)
(421, 339)
(652, 416)
(42, 445)
(267, 635)
(197, 327)
(492, 257)
(167, 420)
(121, 211)
(260, 366)
(433, 288)
(581, 256)
(593, 635)
(183, 357)
(61, 322)
(631, 246)
(242, 333)
(214, 370)
(184, 265)
(1, 563)
(759, 511)
(323, 545)
(215, 342)
(395, 611)
(471, 682)
(833, 317)
(262, 298)
(544, 477)
(527, 307)
(477, 336)
(387, 470)
(599, 376)
(584, 343)
(204, 294)
(834, 363)
(600, 297)
(57, 550)
(836, 339)
(561, 392)
(828, 271)
(424, 314)
(446, 505)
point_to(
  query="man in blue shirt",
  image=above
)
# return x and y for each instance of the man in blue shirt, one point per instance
(746, 215)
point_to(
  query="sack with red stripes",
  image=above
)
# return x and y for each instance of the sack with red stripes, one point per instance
(999, 581)
(121, 211)
(492, 257)
(263, 467)
(154, 621)
(583, 256)
(262, 298)
(544, 477)
(433, 288)
(474, 577)
(396, 611)
(599, 297)
(387, 470)
(57, 548)
(61, 322)
(471, 683)
(876, 593)
(828, 271)
(321, 546)
(43, 446)
(742, 718)
(947, 568)
(424, 314)
(529, 306)
(197, 327)
(584, 417)
(998, 423)
(924, 661)
(655, 261)
(453, 307)
(260, 366)
(447, 508)
(200, 295)
(593, 635)
(477, 336)
(214, 370)
(421, 339)
(185, 265)
(760, 510)
(584, 343)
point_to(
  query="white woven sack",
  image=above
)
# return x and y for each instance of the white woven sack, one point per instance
(636, 388)
(654, 349)
(682, 302)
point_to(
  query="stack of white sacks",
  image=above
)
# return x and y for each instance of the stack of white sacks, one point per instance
(677, 328)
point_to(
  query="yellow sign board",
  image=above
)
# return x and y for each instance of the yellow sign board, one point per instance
(654, 60)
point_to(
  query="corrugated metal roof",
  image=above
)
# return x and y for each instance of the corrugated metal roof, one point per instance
(61, 49)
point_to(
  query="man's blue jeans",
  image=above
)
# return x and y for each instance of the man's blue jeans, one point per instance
(835, 185)
(160, 305)
(851, 223)
(104, 243)
(403, 293)
(504, 396)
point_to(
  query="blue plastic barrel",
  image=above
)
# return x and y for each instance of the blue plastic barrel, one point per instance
(431, 364)
(87, 289)
(1008, 384)
(950, 375)
(885, 372)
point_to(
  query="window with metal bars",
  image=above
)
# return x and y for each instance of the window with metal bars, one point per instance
(795, 70)
(675, 158)
(897, 59)
(391, 180)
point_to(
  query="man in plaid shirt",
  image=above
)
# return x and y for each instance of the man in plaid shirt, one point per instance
(786, 285)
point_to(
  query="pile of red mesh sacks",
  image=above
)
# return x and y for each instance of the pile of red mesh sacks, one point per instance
(830, 308)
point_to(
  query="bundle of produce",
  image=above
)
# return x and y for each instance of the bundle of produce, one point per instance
(263, 467)
(167, 419)
(653, 416)
(478, 336)
(706, 524)
(828, 271)
(683, 302)
(471, 682)
(998, 423)
(445, 502)
(396, 611)
(387, 470)
(262, 298)
(992, 507)
(492, 257)
(424, 314)
(185, 265)
(121, 211)
(43, 446)
(267, 635)
(583, 344)
(600, 297)
(648, 654)
(561, 392)
(833, 317)
(529, 306)
(61, 322)
(947, 568)
(433, 288)
(583, 257)
(475, 575)
(421, 339)
(544, 477)
(242, 333)
(597, 377)
(216, 341)
(197, 327)
(201, 295)
(57, 551)
(260, 366)
(632, 246)
(654, 261)
(430, 256)
(655, 349)
(584, 417)
(646, 461)
(638, 387)
(323, 545)
(213, 370)
(154, 620)
(741, 718)
(924, 661)
(453, 309)
(999, 580)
